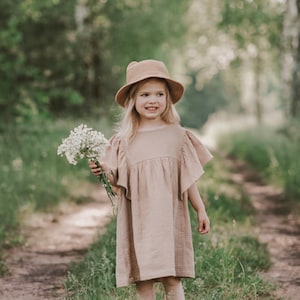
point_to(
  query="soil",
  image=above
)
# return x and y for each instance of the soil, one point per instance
(37, 270)
(278, 226)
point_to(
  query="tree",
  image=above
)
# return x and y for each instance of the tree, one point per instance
(198, 104)
(59, 56)
(115, 32)
(290, 62)
(255, 27)
(37, 61)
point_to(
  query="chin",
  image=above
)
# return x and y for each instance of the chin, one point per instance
(150, 116)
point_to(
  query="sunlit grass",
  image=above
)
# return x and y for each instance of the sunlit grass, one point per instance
(275, 153)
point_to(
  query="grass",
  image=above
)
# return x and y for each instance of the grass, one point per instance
(32, 173)
(227, 261)
(274, 153)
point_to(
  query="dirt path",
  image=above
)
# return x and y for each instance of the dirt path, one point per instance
(38, 269)
(278, 227)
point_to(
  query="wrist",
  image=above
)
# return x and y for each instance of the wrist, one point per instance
(201, 211)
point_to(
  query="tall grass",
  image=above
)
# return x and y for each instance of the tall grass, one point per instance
(227, 261)
(275, 153)
(32, 173)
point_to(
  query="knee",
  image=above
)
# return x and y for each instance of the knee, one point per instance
(171, 282)
(173, 288)
(145, 289)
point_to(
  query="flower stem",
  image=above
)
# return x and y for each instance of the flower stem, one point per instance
(105, 182)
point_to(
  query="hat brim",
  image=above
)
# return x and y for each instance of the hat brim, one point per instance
(176, 90)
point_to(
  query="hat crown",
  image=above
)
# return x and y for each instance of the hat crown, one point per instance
(145, 69)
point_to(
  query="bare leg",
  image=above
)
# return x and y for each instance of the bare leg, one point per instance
(145, 290)
(173, 288)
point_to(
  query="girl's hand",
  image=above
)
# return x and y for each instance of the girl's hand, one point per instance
(103, 169)
(94, 169)
(203, 222)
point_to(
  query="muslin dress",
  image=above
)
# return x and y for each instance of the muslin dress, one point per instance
(154, 172)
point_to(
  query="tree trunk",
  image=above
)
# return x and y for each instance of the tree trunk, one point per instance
(257, 92)
(295, 105)
(290, 63)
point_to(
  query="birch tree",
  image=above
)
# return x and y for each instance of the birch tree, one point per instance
(290, 62)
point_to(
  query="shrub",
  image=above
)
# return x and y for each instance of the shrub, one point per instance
(274, 153)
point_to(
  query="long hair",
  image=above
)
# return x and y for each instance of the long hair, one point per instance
(130, 122)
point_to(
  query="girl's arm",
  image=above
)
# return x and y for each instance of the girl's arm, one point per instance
(197, 203)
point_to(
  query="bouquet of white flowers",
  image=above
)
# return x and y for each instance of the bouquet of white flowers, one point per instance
(83, 142)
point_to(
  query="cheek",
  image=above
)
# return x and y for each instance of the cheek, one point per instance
(164, 104)
(139, 101)
(137, 104)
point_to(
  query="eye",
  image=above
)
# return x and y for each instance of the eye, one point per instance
(144, 94)
(160, 94)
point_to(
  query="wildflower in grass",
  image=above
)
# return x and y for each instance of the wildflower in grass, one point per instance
(84, 142)
(17, 164)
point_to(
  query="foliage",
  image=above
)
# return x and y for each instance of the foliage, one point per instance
(255, 27)
(34, 69)
(238, 41)
(197, 104)
(61, 57)
(141, 29)
(257, 22)
(69, 58)
(274, 153)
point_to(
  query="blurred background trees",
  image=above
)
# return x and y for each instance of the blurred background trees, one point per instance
(68, 58)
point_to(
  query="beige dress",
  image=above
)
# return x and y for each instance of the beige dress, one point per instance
(154, 171)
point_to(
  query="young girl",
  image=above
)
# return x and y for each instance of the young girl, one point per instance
(155, 163)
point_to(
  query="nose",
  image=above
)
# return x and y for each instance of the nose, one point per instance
(152, 99)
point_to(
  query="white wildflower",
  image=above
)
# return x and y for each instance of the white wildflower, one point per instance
(17, 164)
(84, 142)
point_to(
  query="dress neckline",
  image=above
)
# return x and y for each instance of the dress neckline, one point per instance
(153, 129)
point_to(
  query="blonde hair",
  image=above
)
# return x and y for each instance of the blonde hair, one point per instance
(130, 122)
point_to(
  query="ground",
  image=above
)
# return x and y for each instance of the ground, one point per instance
(38, 269)
(278, 227)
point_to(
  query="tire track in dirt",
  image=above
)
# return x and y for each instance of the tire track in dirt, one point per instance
(37, 270)
(278, 227)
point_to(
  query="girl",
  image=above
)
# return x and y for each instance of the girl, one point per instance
(155, 163)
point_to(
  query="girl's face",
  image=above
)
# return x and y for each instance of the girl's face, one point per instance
(151, 100)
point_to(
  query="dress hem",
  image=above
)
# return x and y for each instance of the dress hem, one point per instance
(154, 277)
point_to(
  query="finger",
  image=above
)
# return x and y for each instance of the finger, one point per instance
(91, 164)
(204, 227)
(200, 226)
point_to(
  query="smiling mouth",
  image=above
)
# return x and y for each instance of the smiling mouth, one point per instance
(152, 108)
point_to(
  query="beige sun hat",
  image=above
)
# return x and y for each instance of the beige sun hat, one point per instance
(137, 71)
